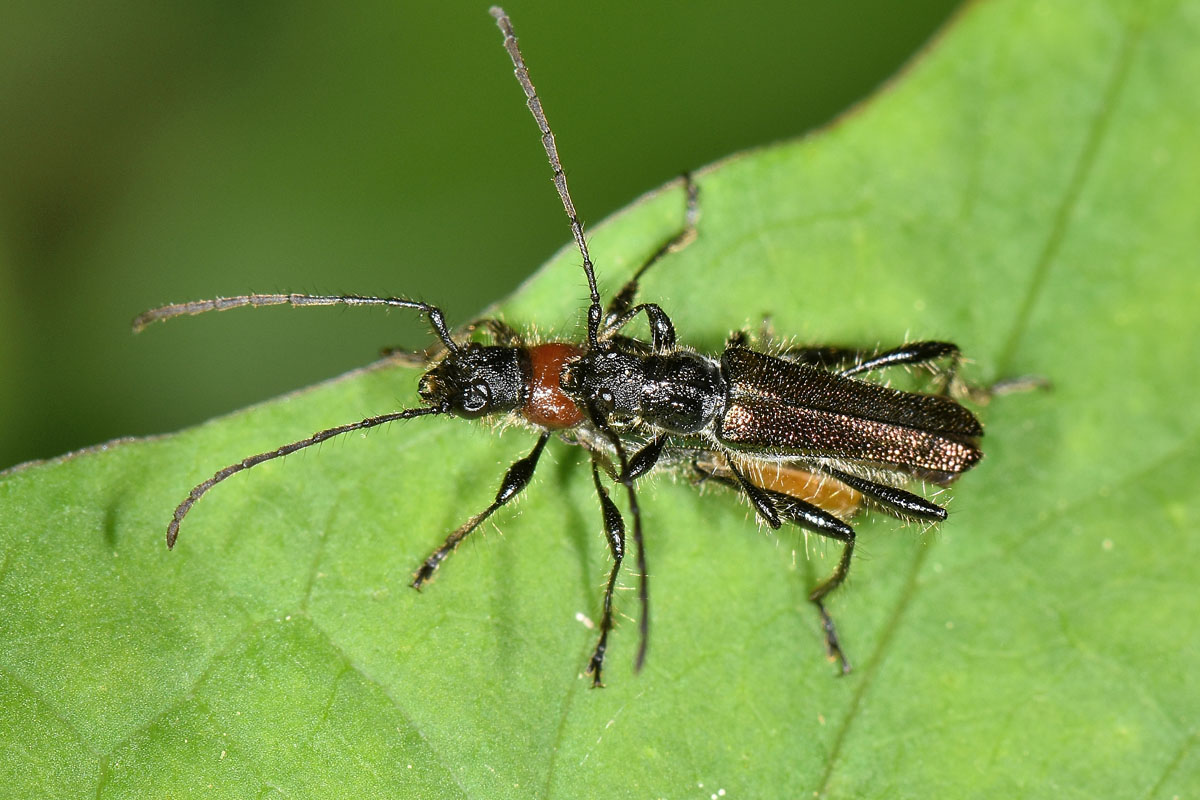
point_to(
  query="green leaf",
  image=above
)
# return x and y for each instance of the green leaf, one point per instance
(1027, 189)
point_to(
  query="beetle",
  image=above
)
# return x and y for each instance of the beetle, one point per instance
(796, 432)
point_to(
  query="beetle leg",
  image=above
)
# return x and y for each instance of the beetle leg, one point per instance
(848, 361)
(515, 480)
(662, 330)
(622, 302)
(913, 353)
(625, 478)
(898, 502)
(829, 357)
(614, 532)
(812, 518)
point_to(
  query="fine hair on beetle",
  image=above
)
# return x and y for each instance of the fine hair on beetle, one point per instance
(796, 431)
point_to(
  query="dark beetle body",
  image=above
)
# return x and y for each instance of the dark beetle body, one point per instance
(795, 409)
(765, 407)
(754, 404)
(677, 392)
(796, 433)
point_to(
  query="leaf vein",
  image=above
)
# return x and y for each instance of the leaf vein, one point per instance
(32, 692)
(1070, 200)
(361, 672)
(1186, 447)
(903, 601)
(1189, 743)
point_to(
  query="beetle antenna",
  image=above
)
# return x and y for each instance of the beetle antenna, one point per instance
(436, 318)
(560, 177)
(201, 489)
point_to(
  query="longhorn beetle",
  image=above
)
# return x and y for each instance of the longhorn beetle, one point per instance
(798, 433)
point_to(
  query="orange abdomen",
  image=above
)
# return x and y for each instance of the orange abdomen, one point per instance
(822, 491)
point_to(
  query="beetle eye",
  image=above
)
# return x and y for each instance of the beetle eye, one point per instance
(476, 397)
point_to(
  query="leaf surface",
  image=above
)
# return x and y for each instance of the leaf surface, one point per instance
(1027, 189)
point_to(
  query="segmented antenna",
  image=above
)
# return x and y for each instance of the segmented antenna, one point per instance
(560, 177)
(436, 318)
(201, 489)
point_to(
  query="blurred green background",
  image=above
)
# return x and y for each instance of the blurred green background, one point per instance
(154, 152)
